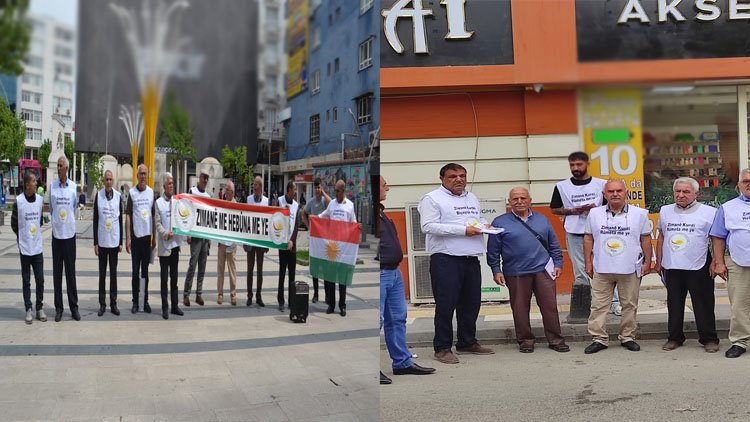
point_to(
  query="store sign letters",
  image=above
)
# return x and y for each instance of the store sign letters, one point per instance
(706, 10)
(417, 13)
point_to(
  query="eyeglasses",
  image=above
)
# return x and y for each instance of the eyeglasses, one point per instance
(745, 182)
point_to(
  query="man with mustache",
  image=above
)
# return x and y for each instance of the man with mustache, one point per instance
(617, 253)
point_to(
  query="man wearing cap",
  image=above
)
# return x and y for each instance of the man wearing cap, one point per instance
(683, 261)
(617, 253)
(199, 249)
(731, 229)
(26, 222)
(315, 206)
(139, 232)
(255, 254)
(108, 240)
(62, 205)
(451, 219)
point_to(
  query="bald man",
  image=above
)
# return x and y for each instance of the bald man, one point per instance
(139, 232)
(62, 203)
(529, 249)
(341, 209)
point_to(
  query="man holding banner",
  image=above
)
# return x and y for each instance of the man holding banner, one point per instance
(340, 209)
(139, 229)
(255, 253)
(316, 205)
(288, 258)
(199, 249)
(227, 251)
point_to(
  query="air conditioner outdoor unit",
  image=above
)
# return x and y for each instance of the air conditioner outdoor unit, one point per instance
(420, 285)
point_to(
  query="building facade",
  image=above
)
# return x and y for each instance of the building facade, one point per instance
(45, 90)
(333, 95)
(509, 88)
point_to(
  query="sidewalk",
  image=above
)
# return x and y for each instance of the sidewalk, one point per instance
(495, 322)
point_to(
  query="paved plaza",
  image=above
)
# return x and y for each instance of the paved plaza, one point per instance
(216, 363)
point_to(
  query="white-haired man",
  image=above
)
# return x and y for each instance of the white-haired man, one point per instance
(62, 204)
(683, 260)
(226, 258)
(108, 238)
(168, 249)
(255, 254)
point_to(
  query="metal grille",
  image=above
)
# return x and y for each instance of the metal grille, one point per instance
(422, 276)
(417, 237)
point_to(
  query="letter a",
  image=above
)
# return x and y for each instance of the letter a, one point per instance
(417, 15)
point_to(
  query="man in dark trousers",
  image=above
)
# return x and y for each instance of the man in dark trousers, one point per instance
(288, 258)
(108, 240)
(315, 206)
(392, 299)
(62, 203)
(139, 222)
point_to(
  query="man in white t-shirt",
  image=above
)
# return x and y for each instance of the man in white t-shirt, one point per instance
(255, 254)
(341, 209)
(683, 261)
(288, 258)
(199, 250)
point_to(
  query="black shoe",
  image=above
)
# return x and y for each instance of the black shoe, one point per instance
(134, 310)
(330, 310)
(165, 313)
(414, 369)
(562, 347)
(281, 307)
(631, 345)
(114, 310)
(102, 308)
(249, 301)
(259, 301)
(594, 347)
(315, 299)
(199, 300)
(177, 311)
(384, 380)
(58, 316)
(146, 308)
(76, 315)
(342, 312)
(735, 351)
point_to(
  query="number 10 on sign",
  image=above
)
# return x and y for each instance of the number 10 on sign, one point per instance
(616, 153)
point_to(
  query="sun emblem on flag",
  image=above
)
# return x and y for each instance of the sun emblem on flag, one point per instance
(332, 250)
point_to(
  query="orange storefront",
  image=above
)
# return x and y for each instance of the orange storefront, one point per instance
(536, 99)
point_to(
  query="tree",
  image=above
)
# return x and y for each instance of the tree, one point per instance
(95, 171)
(44, 151)
(12, 135)
(235, 164)
(176, 132)
(15, 33)
(69, 148)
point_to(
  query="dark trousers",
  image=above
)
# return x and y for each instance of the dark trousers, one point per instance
(168, 266)
(315, 285)
(254, 255)
(287, 259)
(37, 263)
(456, 286)
(140, 248)
(64, 255)
(543, 288)
(330, 290)
(701, 287)
(108, 255)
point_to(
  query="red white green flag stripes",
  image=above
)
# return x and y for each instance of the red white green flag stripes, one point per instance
(253, 225)
(333, 249)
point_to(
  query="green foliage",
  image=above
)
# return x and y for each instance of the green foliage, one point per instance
(44, 151)
(69, 149)
(176, 132)
(12, 135)
(95, 170)
(15, 34)
(235, 164)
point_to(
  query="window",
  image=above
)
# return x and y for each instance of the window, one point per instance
(316, 37)
(336, 65)
(335, 114)
(329, 69)
(36, 46)
(328, 115)
(315, 82)
(34, 61)
(32, 79)
(330, 19)
(315, 128)
(365, 54)
(272, 13)
(37, 26)
(364, 109)
(61, 105)
(270, 118)
(63, 86)
(33, 134)
(31, 97)
(364, 6)
(63, 51)
(31, 115)
(67, 120)
(63, 68)
(63, 34)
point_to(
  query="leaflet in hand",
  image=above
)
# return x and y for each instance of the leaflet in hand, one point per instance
(492, 230)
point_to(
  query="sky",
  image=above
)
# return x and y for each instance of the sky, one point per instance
(65, 11)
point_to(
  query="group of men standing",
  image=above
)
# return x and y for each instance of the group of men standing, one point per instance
(609, 243)
(138, 224)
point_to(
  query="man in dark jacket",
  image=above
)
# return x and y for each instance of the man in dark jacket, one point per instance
(392, 300)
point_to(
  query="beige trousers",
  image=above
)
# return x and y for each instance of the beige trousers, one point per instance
(738, 290)
(228, 259)
(602, 290)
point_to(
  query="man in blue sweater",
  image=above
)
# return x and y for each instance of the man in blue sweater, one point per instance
(531, 261)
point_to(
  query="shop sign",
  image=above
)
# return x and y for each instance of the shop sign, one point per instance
(446, 32)
(661, 29)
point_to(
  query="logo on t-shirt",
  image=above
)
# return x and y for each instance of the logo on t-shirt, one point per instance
(614, 246)
(678, 242)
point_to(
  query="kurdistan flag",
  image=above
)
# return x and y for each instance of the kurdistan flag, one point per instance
(333, 249)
